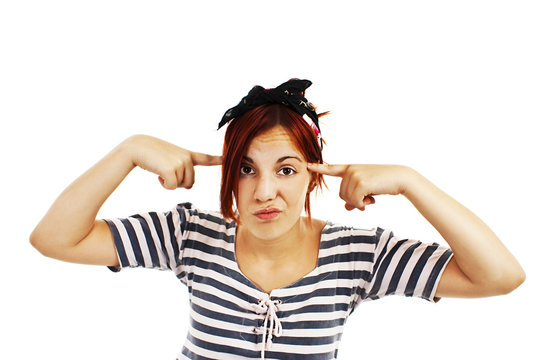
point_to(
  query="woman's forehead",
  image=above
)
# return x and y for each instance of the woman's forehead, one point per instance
(274, 143)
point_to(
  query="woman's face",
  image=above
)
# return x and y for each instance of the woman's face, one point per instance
(272, 186)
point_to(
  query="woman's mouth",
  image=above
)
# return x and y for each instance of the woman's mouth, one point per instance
(267, 214)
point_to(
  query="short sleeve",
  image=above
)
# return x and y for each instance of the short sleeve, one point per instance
(405, 267)
(150, 240)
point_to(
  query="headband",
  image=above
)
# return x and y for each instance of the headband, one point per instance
(289, 94)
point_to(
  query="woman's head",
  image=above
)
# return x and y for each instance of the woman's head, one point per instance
(280, 143)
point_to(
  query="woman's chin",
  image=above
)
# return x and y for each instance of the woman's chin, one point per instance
(267, 229)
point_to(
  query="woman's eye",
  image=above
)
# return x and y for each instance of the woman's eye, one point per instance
(245, 170)
(287, 171)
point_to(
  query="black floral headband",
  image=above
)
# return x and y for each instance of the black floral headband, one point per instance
(288, 93)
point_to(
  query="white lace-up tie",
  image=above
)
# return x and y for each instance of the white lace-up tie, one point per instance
(271, 326)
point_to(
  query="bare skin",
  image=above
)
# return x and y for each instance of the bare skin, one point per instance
(278, 265)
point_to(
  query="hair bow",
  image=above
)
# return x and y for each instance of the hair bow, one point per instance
(290, 93)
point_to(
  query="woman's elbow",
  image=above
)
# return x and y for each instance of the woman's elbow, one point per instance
(38, 243)
(510, 281)
(42, 244)
(517, 280)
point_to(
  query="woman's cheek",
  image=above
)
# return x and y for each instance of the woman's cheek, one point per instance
(243, 194)
(297, 190)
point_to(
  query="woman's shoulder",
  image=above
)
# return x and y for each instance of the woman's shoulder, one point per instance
(210, 215)
(194, 218)
(337, 233)
(330, 226)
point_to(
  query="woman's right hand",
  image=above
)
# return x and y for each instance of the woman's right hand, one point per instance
(69, 231)
(173, 165)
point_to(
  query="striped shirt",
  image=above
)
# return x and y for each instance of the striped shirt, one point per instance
(231, 318)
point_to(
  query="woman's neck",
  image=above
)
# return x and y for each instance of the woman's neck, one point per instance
(274, 250)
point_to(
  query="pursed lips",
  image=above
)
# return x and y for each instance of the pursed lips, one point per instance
(267, 213)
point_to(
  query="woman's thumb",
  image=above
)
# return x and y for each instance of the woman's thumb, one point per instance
(168, 182)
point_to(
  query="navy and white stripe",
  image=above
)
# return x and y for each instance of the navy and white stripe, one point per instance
(354, 265)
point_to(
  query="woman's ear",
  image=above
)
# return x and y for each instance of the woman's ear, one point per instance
(312, 183)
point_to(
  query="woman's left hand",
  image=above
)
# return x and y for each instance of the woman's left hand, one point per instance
(360, 183)
(481, 265)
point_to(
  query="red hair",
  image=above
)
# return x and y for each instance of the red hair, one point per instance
(245, 128)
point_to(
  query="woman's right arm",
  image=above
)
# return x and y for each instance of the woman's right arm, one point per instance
(69, 231)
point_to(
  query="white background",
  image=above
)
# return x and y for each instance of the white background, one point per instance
(448, 88)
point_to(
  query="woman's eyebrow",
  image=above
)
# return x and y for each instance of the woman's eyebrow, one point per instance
(247, 159)
(282, 159)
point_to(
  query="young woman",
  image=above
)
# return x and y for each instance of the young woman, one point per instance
(265, 281)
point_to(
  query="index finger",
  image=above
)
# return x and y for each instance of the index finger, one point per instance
(328, 169)
(205, 159)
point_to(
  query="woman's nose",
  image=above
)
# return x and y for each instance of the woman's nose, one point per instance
(266, 188)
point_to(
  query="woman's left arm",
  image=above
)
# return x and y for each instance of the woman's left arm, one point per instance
(481, 265)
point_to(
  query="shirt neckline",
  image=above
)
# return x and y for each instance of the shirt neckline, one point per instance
(313, 272)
